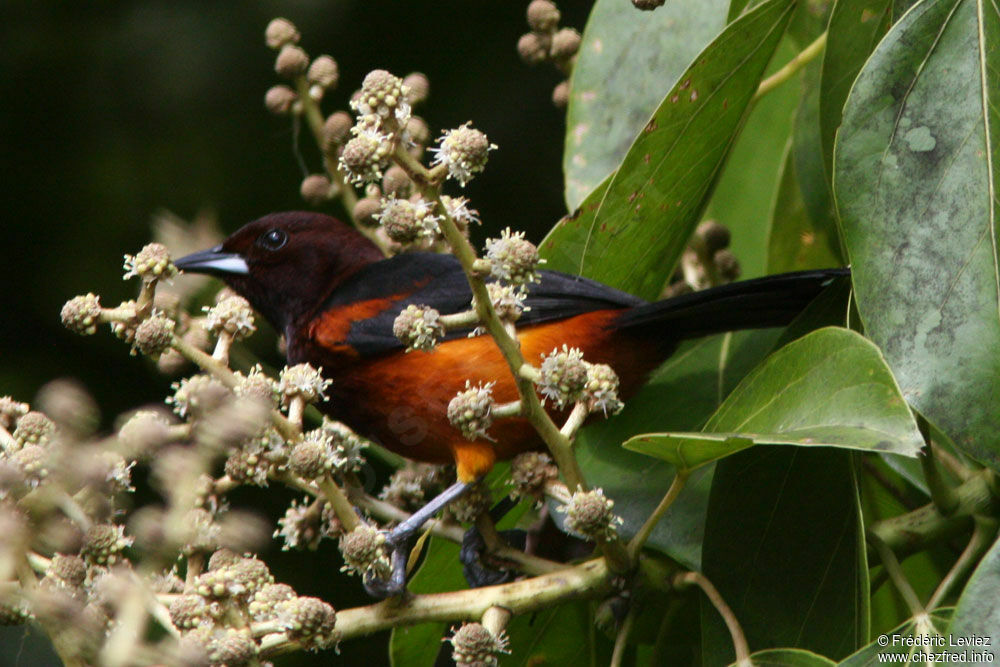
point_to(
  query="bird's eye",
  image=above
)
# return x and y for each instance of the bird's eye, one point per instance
(273, 240)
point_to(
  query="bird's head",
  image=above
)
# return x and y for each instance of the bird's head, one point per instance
(286, 264)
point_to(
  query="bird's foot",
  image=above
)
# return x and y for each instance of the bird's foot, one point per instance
(479, 566)
(395, 583)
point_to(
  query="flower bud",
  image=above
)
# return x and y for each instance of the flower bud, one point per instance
(419, 87)
(533, 48)
(364, 552)
(464, 151)
(513, 258)
(81, 314)
(396, 182)
(560, 94)
(471, 410)
(154, 335)
(471, 504)
(474, 644)
(316, 189)
(34, 428)
(529, 473)
(407, 221)
(366, 210)
(308, 620)
(151, 263)
(335, 129)
(713, 235)
(280, 32)
(564, 375)
(280, 99)
(601, 390)
(418, 327)
(589, 514)
(384, 96)
(291, 61)
(104, 543)
(323, 72)
(302, 380)
(543, 15)
(364, 156)
(263, 606)
(726, 264)
(565, 44)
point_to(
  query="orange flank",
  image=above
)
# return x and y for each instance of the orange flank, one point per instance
(402, 399)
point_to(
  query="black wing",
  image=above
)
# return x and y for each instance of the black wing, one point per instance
(442, 286)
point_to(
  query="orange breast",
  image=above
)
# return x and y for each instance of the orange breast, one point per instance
(401, 400)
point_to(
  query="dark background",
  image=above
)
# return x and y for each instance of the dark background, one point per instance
(113, 110)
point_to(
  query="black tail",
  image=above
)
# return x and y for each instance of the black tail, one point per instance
(772, 301)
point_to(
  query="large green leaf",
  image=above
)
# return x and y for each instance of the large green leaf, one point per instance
(562, 635)
(978, 611)
(784, 547)
(915, 182)
(742, 198)
(876, 653)
(626, 62)
(682, 394)
(630, 234)
(829, 388)
(854, 29)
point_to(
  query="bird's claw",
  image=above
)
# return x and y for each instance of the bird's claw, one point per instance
(395, 583)
(479, 569)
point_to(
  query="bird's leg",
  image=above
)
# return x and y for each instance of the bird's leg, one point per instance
(476, 564)
(399, 539)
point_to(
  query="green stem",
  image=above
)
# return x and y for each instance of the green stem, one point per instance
(621, 641)
(982, 538)
(711, 592)
(791, 67)
(647, 527)
(335, 496)
(896, 574)
(942, 495)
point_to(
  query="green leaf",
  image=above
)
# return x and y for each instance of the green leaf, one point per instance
(563, 635)
(626, 61)
(783, 546)
(915, 182)
(855, 28)
(933, 625)
(742, 198)
(829, 388)
(977, 613)
(682, 394)
(789, 657)
(655, 198)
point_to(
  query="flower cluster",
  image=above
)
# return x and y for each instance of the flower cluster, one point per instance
(547, 42)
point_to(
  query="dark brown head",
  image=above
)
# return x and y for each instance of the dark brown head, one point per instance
(286, 264)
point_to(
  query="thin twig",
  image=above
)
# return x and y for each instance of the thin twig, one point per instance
(647, 527)
(736, 632)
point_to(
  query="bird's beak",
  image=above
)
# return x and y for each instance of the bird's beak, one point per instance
(214, 262)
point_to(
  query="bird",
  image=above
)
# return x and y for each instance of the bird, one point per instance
(334, 296)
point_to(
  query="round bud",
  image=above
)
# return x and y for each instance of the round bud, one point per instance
(363, 156)
(565, 44)
(529, 473)
(384, 96)
(543, 16)
(81, 314)
(70, 406)
(513, 258)
(418, 327)
(71, 570)
(279, 99)
(103, 544)
(474, 644)
(302, 380)
(232, 315)
(308, 620)
(233, 648)
(601, 391)
(563, 376)
(256, 385)
(727, 264)
(560, 94)
(189, 611)
(533, 48)
(464, 151)
(197, 395)
(507, 300)
(316, 189)
(365, 211)
(589, 514)
(34, 428)
(33, 460)
(151, 263)
(419, 86)
(323, 72)
(263, 606)
(647, 5)
(145, 432)
(364, 552)
(714, 235)
(396, 182)
(308, 459)
(418, 131)
(335, 129)
(280, 32)
(471, 410)
(291, 61)
(406, 221)
(154, 335)
(11, 411)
